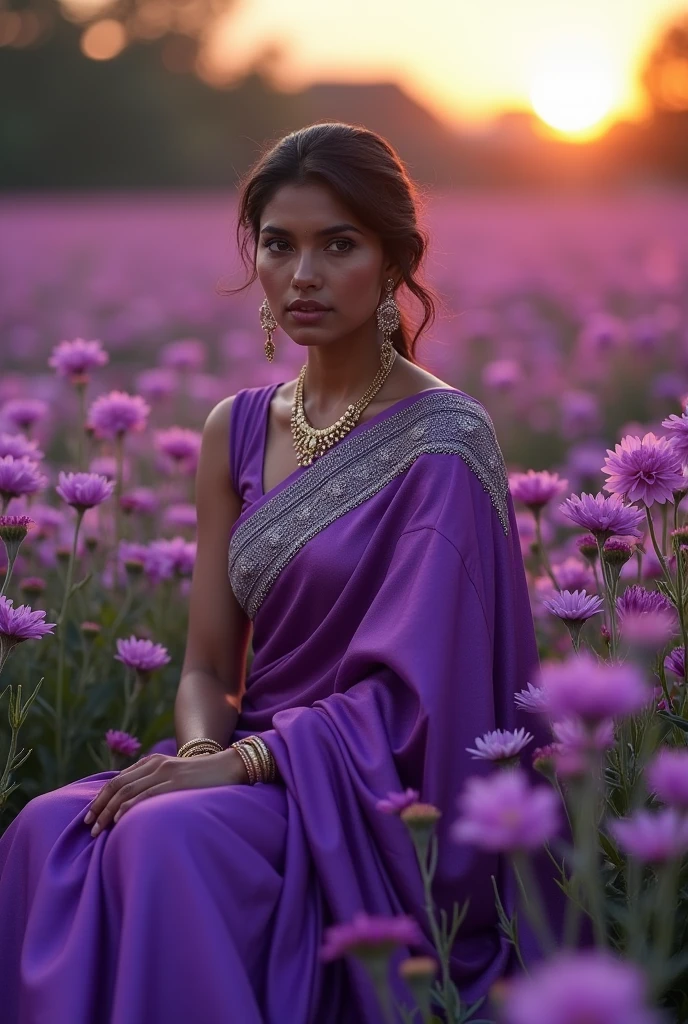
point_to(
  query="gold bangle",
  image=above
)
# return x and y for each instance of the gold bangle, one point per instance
(247, 762)
(255, 760)
(266, 757)
(204, 751)
(203, 740)
(260, 753)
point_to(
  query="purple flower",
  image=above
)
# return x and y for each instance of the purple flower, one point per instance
(14, 529)
(592, 690)
(141, 499)
(500, 745)
(574, 607)
(157, 383)
(647, 470)
(571, 988)
(677, 428)
(19, 446)
(142, 655)
(396, 802)
(166, 558)
(652, 837)
(22, 413)
(75, 358)
(536, 489)
(675, 661)
(574, 737)
(84, 490)
(18, 624)
(603, 516)
(533, 700)
(368, 935)
(573, 574)
(503, 812)
(180, 445)
(617, 550)
(646, 617)
(118, 413)
(667, 777)
(122, 742)
(183, 514)
(185, 354)
(19, 476)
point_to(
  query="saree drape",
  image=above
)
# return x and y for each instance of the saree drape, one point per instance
(391, 627)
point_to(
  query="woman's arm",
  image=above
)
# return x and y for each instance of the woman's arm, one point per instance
(209, 694)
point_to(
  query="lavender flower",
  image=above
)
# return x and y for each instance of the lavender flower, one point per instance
(533, 699)
(142, 655)
(500, 745)
(617, 551)
(536, 489)
(141, 499)
(647, 470)
(84, 490)
(573, 987)
(13, 529)
(576, 607)
(646, 617)
(122, 742)
(23, 413)
(20, 447)
(19, 624)
(675, 662)
(367, 935)
(74, 359)
(157, 383)
(652, 837)
(603, 516)
(576, 742)
(587, 545)
(396, 802)
(667, 777)
(502, 812)
(118, 413)
(181, 515)
(185, 354)
(166, 558)
(180, 445)
(587, 688)
(677, 428)
(19, 476)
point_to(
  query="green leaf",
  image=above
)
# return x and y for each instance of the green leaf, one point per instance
(676, 720)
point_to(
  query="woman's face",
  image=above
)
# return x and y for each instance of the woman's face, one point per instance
(311, 248)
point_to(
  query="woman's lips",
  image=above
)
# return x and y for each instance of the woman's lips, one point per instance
(308, 316)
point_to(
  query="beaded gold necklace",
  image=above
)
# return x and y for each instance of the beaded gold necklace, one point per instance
(311, 442)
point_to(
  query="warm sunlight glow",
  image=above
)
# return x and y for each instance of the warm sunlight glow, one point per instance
(573, 87)
(104, 39)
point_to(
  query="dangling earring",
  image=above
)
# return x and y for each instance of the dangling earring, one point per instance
(388, 321)
(269, 324)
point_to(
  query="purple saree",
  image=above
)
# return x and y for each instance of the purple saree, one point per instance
(391, 626)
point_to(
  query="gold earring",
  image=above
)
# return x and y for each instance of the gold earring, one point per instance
(269, 324)
(388, 320)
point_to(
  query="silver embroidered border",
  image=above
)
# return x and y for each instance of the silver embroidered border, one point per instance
(354, 470)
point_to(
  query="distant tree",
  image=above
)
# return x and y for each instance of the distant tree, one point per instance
(665, 75)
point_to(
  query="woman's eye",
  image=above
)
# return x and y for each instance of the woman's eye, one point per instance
(276, 241)
(346, 241)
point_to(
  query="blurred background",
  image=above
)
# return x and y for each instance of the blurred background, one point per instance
(550, 139)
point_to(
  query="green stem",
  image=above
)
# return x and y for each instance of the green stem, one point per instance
(665, 911)
(542, 553)
(658, 552)
(11, 558)
(610, 601)
(119, 484)
(438, 938)
(532, 901)
(61, 621)
(81, 432)
(587, 836)
(665, 523)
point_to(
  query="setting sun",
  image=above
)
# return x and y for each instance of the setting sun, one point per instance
(573, 88)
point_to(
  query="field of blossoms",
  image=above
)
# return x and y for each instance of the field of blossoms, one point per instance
(568, 319)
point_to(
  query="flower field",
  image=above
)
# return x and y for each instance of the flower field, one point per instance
(568, 319)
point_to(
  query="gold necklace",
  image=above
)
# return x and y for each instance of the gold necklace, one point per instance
(311, 442)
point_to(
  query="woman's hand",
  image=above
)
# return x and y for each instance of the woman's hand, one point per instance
(159, 773)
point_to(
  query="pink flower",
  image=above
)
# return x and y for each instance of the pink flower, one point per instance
(675, 661)
(592, 690)
(647, 470)
(500, 745)
(603, 516)
(571, 988)
(180, 445)
(122, 743)
(180, 515)
(533, 700)
(157, 383)
(536, 489)
(19, 476)
(652, 837)
(15, 528)
(118, 413)
(142, 655)
(502, 812)
(574, 607)
(368, 935)
(83, 490)
(677, 428)
(141, 499)
(19, 446)
(18, 624)
(23, 413)
(667, 777)
(75, 358)
(186, 354)
(396, 802)
(166, 558)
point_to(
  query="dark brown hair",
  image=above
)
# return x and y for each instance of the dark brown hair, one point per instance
(368, 177)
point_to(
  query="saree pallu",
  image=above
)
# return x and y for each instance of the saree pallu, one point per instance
(391, 627)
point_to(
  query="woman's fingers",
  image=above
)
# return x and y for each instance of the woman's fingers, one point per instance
(162, 787)
(123, 794)
(124, 778)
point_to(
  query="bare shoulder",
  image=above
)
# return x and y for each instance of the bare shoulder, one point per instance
(217, 420)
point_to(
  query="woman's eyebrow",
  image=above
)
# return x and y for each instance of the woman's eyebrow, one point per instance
(273, 229)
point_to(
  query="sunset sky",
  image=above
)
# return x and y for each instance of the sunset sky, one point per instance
(466, 60)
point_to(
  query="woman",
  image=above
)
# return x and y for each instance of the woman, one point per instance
(373, 552)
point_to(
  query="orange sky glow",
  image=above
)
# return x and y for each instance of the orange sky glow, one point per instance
(574, 61)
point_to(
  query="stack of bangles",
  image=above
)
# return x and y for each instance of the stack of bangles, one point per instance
(257, 757)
